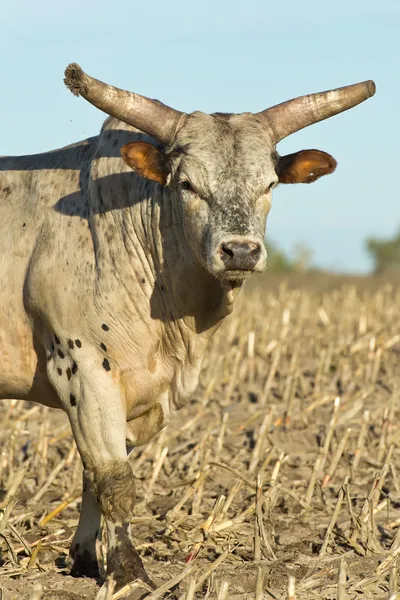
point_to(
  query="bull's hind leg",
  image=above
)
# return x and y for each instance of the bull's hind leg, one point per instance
(85, 548)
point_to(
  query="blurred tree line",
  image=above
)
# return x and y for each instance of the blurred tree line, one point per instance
(385, 254)
(279, 262)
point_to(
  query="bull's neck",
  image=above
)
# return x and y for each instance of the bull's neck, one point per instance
(144, 259)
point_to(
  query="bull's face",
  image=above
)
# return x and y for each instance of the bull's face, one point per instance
(222, 179)
(220, 171)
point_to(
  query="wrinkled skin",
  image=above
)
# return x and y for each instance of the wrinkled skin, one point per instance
(114, 282)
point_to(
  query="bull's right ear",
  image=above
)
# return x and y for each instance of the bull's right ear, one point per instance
(146, 160)
(305, 166)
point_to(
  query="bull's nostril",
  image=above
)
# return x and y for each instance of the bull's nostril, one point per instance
(240, 255)
(226, 250)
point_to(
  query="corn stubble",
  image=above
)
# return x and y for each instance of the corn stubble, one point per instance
(279, 480)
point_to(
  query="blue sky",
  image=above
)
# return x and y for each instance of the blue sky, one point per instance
(230, 56)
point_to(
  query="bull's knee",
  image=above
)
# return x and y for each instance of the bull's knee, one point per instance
(114, 485)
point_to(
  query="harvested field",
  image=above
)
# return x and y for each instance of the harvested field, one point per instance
(281, 479)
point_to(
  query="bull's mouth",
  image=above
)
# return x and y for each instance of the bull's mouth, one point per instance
(232, 280)
(235, 275)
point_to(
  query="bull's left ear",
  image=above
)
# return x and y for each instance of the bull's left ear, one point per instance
(305, 166)
(146, 160)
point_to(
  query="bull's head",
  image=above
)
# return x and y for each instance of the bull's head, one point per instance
(221, 168)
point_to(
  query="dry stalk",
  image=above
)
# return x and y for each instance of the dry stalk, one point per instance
(291, 587)
(342, 581)
(393, 577)
(206, 526)
(360, 442)
(320, 372)
(14, 485)
(221, 437)
(260, 533)
(223, 591)
(366, 517)
(259, 583)
(250, 354)
(51, 477)
(6, 514)
(20, 538)
(156, 471)
(336, 457)
(41, 540)
(268, 384)
(288, 398)
(187, 495)
(333, 520)
(56, 511)
(210, 570)
(258, 522)
(233, 378)
(107, 591)
(160, 591)
(391, 558)
(191, 589)
(314, 476)
(34, 555)
(237, 486)
(259, 446)
(249, 483)
(376, 365)
(329, 433)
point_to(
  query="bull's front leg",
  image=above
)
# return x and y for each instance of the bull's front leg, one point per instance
(114, 486)
(97, 414)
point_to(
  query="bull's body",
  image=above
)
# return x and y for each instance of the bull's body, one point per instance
(103, 311)
(113, 281)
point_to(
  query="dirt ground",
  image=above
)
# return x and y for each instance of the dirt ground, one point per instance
(282, 473)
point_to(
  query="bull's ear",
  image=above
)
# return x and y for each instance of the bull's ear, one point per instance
(146, 160)
(305, 166)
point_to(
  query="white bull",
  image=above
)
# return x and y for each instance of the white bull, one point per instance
(119, 258)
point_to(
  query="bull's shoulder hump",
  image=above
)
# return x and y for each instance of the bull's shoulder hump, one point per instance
(66, 158)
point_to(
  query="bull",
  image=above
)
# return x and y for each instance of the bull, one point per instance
(120, 256)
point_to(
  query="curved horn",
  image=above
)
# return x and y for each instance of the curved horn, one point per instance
(150, 116)
(291, 116)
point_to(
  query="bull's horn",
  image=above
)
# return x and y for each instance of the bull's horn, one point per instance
(150, 116)
(293, 115)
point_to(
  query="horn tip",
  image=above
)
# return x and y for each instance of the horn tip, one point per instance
(74, 79)
(371, 87)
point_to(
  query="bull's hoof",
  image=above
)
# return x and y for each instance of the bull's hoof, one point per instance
(90, 570)
(85, 565)
(124, 564)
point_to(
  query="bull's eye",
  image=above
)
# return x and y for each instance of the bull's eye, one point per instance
(271, 185)
(187, 186)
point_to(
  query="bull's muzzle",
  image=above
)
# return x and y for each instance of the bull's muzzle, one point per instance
(241, 256)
